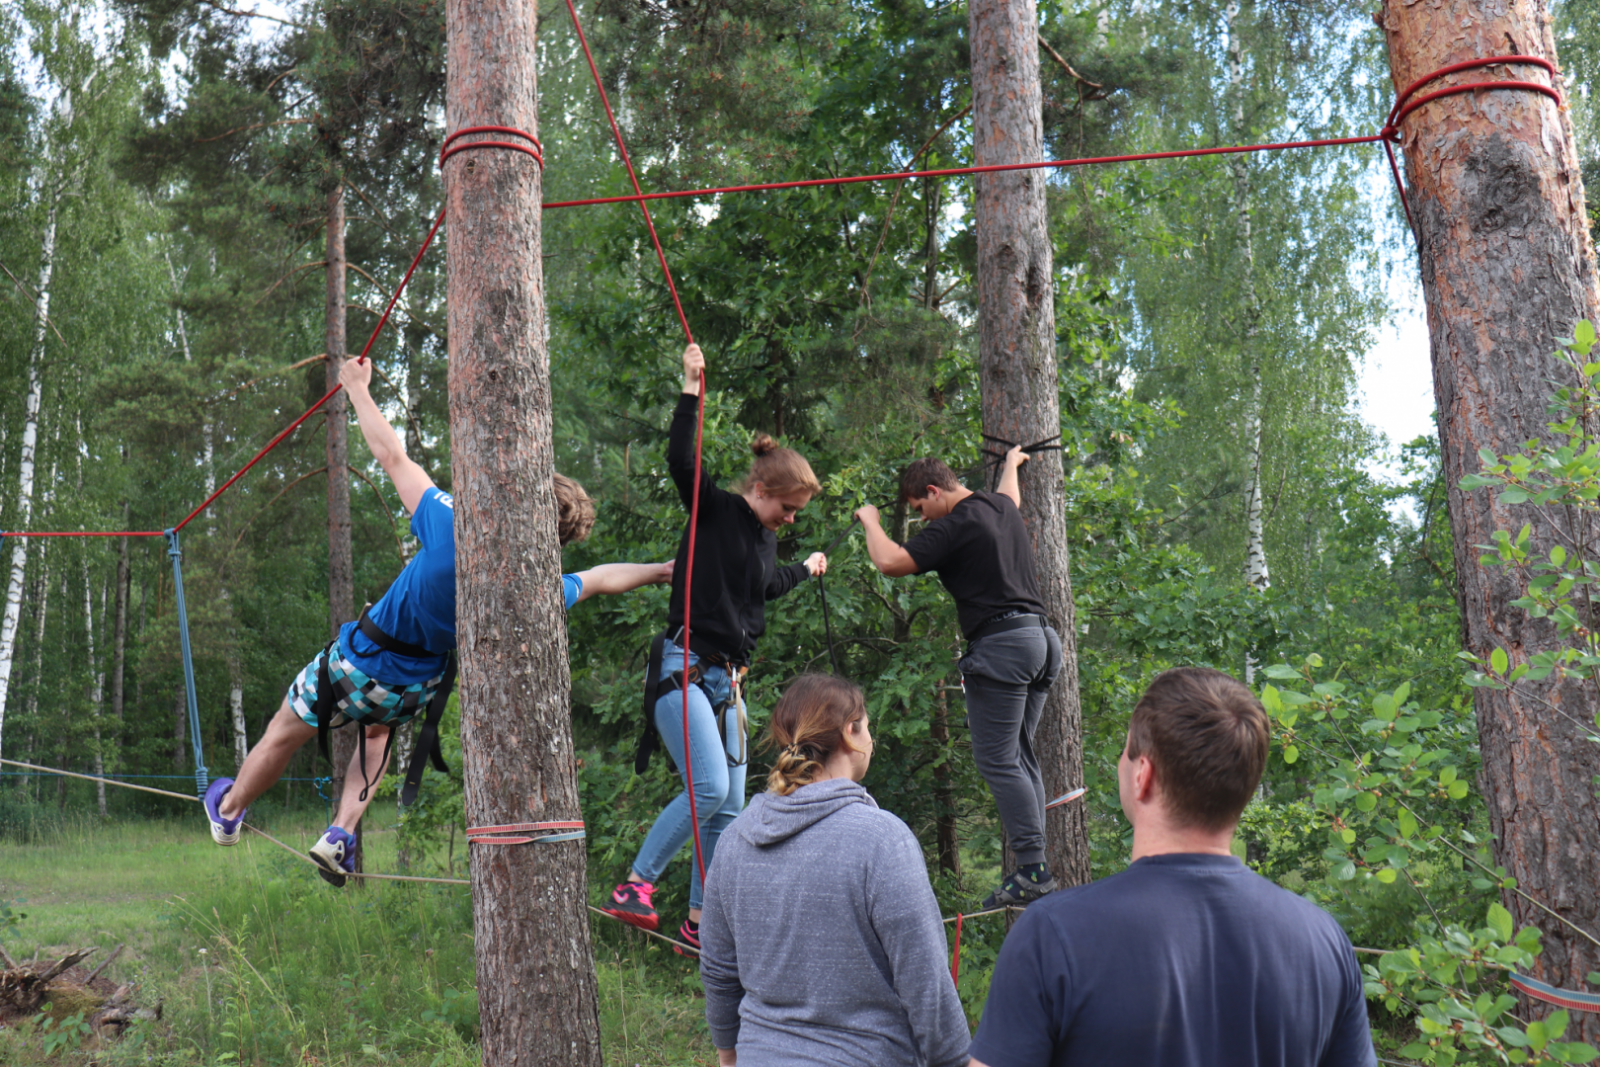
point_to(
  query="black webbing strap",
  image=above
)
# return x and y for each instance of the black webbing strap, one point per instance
(649, 739)
(326, 703)
(392, 644)
(427, 739)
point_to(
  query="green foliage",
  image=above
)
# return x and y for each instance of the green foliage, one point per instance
(1561, 473)
(1390, 787)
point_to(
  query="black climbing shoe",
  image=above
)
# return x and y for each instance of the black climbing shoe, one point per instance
(1017, 891)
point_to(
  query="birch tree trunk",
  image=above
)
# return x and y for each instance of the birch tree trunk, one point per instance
(1017, 366)
(1255, 549)
(536, 977)
(30, 440)
(1507, 267)
(97, 683)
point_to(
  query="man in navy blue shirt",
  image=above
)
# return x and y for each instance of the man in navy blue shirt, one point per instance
(385, 687)
(1187, 958)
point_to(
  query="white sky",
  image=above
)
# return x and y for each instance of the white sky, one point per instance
(1396, 379)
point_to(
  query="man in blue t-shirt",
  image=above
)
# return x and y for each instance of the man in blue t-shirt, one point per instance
(1187, 958)
(383, 681)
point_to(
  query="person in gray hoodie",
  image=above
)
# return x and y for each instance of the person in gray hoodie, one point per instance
(821, 941)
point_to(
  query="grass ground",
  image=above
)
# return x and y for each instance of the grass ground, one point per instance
(256, 961)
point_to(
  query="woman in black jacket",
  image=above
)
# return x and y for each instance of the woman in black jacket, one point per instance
(735, 574)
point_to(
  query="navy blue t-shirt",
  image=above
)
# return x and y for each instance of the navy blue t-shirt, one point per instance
(1182, 960)
(420, 607)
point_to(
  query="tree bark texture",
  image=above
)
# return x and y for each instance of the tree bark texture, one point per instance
(119, 632)
(536, 977)
(341, 563)
(1017, 365)
(30, 440)
(1507, 267)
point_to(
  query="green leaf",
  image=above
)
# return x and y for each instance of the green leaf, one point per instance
(1457, 789)
(1500, 921)
(1499, 661)
(1291, 754)
(1282, 672)
(1408, 823)
(1366, 801)
(1387, 875)
(1345, 871)
(1583, 336)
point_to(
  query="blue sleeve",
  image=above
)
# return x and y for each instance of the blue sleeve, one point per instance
(1024, 1012)
(571, 589)
(435, 517)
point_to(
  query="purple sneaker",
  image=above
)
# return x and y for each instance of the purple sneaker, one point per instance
(223, 831)
(335, 853)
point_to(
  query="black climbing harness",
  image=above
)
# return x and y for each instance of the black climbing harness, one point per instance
(427, 741)
(656, 687)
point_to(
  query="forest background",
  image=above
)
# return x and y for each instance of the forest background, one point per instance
(165, 168)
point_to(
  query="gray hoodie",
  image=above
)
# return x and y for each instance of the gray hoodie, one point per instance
(821, 940)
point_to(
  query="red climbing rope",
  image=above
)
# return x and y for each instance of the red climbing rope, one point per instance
(699, 432)
(382, 320)
(83, 533)
(1404, 105)
(955, 957)
(450, 148)
(950, 172)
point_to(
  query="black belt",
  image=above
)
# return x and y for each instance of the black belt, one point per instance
(1009, 622)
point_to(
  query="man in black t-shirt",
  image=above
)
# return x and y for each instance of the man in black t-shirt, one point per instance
(1187, 958)
(978, 546)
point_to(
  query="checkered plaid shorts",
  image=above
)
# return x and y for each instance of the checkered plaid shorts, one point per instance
(359, 697)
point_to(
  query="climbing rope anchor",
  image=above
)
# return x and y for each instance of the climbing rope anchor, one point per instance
(202, 776)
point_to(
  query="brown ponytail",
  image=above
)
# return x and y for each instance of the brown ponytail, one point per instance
(779, 470)
(808, 727)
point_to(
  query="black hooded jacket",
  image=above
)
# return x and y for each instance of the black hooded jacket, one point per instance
(735, 558)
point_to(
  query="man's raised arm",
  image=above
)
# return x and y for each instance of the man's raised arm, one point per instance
(409, 479)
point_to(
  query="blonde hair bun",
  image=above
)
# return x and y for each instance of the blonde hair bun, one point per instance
(762, 444)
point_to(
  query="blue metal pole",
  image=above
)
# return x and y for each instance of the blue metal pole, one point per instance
(202, 777)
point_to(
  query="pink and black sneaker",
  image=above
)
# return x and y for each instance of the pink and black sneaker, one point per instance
(630, 902)
(689, 934)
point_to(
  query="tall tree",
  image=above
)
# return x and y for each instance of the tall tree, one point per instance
(1508, 267)
(1017, 364)
(536, 979)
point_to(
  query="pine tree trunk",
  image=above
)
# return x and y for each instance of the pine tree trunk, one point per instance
(30, 438)
(1507, 268)
(536, 976)
(341, 567)
(1017, 365)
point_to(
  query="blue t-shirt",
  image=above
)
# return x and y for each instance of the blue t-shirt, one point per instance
(1182, 960)
(571, 589)
(420, 607)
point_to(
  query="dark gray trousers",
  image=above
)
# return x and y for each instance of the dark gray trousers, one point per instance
(1007, 677)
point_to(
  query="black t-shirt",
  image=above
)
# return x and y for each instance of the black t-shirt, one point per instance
(735, 557)
(1183, 960)
(983, 556)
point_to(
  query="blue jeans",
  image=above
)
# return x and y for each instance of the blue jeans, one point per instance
(718, 786)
